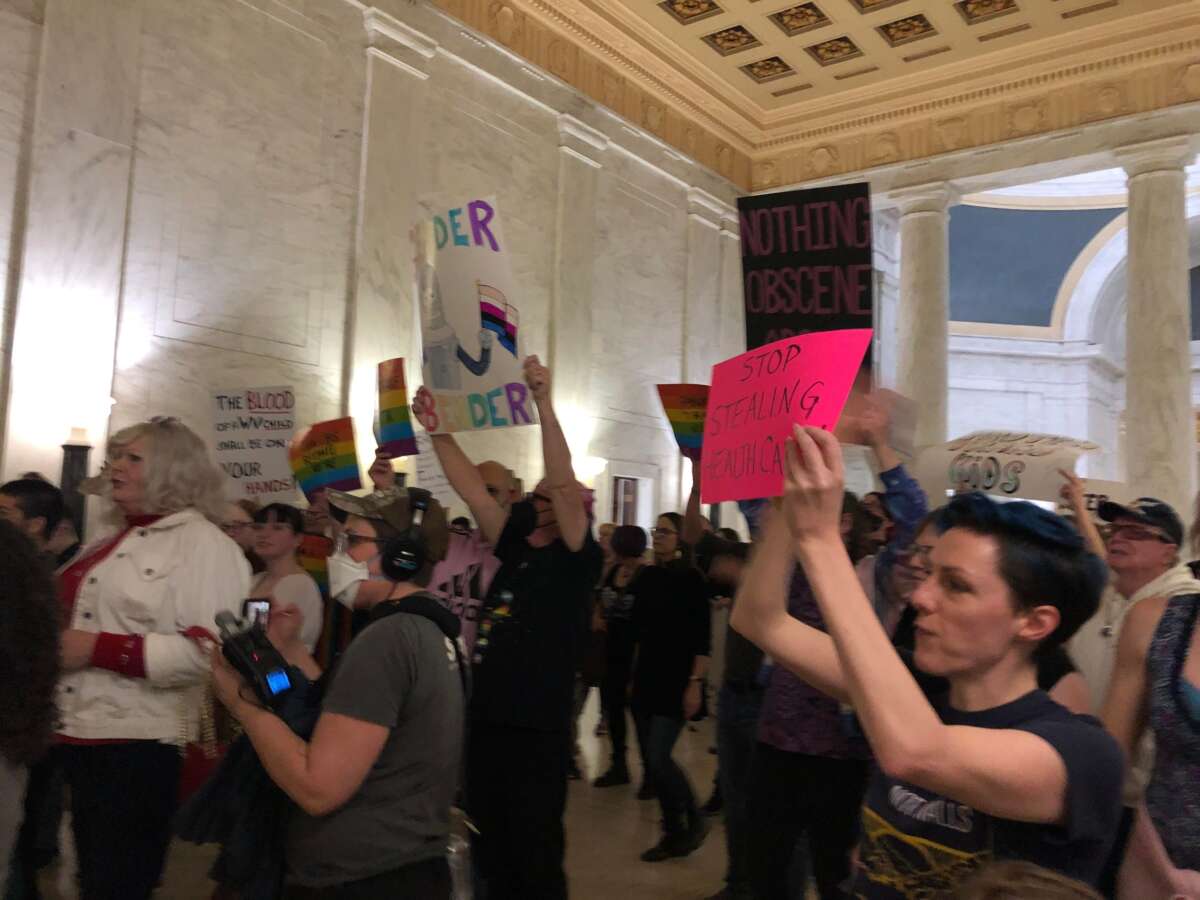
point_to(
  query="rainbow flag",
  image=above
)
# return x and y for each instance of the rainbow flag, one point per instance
(323, 456)
(685, 405)
(497, 315)
(314, 551)
(394, 427)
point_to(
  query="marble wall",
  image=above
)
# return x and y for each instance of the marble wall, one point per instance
(271, 157)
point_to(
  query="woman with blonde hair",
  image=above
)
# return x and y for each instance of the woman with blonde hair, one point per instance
(139, 606)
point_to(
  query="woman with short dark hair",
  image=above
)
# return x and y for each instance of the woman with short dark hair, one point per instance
(617, 600)
(981, 764)
(278, 533)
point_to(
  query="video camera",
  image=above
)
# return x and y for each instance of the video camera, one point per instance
(250, 652)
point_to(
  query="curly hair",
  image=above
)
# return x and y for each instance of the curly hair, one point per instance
(180, 473)
(29, 644)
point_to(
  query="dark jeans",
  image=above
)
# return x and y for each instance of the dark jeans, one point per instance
(425, 880)
(37, 841)
(737, 725)
(123, 797)
(793, 795)
(657, 736)
(516, 794)
(614, 700)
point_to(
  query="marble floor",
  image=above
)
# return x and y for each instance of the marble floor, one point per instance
(606, 831)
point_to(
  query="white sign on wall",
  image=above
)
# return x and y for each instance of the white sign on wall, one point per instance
(252, 429)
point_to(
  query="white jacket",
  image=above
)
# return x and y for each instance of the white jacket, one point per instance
(161, 580)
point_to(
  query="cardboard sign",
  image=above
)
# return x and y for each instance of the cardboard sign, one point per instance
(323, 456)
(1097, 491)
(757, 397)
(806, 262)
(394, 432)
(1005, 463)
(253, 428)
(859, 472)
(684, 405)
(470, 323)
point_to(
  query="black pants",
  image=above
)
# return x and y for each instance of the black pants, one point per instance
(122, 799)
(657, 736)
(614, 700)
(37, 840)
(516, 794)
(793, 795)
(425, 880)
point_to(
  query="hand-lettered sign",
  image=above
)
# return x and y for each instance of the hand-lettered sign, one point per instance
(394, 431)
(470, 322)
(757, 397)
(684, 405)
(806, 262)
(253, 427)
(323, 456)
(1005, 463)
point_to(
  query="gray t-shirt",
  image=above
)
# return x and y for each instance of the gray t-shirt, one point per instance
(400, 672)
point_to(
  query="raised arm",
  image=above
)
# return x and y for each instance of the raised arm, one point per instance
(1072, 492)
(565, 495)
(693, 522)
(1007, 773)
(760, 614)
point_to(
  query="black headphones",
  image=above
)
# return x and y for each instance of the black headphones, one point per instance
(405, 555)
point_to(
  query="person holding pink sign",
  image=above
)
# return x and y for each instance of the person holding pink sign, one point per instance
(988, 766)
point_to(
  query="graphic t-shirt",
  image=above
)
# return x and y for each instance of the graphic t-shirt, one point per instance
(617, 605)
(462, 579)
(918, 845)
(531, 633)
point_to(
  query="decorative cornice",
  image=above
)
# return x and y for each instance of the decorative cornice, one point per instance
(380, 24)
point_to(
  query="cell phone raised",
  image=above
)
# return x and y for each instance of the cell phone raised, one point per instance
(256, 612)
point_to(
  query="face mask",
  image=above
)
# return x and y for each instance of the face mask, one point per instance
(345, 577)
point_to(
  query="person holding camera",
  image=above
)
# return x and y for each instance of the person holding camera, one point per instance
(376, 781)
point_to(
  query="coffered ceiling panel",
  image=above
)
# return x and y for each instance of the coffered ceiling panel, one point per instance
(778, 53)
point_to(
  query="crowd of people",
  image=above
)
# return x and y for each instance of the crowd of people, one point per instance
(979, 699)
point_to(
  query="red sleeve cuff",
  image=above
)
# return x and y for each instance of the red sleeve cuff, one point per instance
(120, 653)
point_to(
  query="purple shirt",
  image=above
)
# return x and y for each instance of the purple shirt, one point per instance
(798, 718)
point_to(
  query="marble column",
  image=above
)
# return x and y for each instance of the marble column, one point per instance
(383, 317)
(922, 317)
(1161, 459)
(581, 151)
(71, 254)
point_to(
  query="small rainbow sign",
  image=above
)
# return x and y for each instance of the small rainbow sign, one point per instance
(685, 405)
(323, 456)
(394, 433)
(315, 549)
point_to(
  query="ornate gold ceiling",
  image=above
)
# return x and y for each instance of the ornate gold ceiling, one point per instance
(771, 92)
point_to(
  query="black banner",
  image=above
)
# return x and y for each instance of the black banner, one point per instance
(806, 262)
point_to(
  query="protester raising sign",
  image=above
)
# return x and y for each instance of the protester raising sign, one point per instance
(806, 262)
(323, 456)
(252, 428)
(1006, 463)
(757, 397)
(393, 428)
(470, 325)
(684, 405)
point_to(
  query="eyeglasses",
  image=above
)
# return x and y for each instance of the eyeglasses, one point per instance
(1137, 533)
(663, 532)
(916, 556)
(541, 497)
(348, 540)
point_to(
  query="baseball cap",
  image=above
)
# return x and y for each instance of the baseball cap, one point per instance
(1148, 511)
(391, 507)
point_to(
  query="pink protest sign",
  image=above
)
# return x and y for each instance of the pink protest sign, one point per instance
(757, 397)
